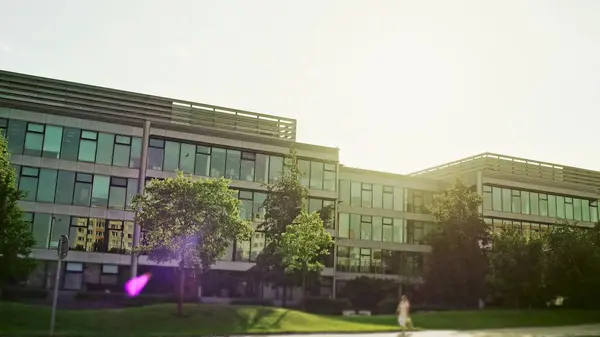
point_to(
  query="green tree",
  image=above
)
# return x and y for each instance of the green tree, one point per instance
(573, 265)
(190, 221)
(16, 238)
(457, 265)
(302, 244)
(283, 204)
(516, 271)
(366, 293)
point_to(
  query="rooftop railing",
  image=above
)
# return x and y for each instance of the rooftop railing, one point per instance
(515, 166)
(49, 93)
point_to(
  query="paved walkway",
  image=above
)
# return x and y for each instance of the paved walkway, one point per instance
(571, 331)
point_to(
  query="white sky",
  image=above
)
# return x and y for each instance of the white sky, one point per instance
(397, 85)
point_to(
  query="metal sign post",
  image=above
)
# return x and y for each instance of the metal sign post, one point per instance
(62, 250)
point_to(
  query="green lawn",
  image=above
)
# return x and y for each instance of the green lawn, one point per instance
(160, 320)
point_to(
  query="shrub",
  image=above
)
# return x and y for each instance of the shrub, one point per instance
(325, 306)
(365, 292)
(123, 300)
(19, 293)
(387, 306)
(252, 301)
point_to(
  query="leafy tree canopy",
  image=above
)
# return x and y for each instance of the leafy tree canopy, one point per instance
(16, 237)
(457, 265)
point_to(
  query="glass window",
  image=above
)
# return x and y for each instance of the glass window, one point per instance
(132, 188)
(41, 229)
(246, 205)
(17, 170)
(52, 141)
(560, 207)
(60, 226)
(100, 191)
(258, 207)
(83, 189)
(585, 210)
(106, 143)
(506, 200)
(487, 197)
(398, 199)
(232, 170)
(202, 161)
(398, 230)
(377, 196)
(345, 192)
(118, 193)
(171, 160)
(115, 237)
(136, 152)
(29, 182)
(344, 225)
(3, 125)
(497, 199)
(388, 197)
(569, 208)
(275, 168)
(217, 166)
(355, 193)
(34, 139)
(156, 151)
(304, 168)
(329, 180)
(65, 185)
(70, 144)
(535, 203)
(366, 229)
(365, 260)
(47, 185)
(377, 228)
(552, 206)
(316, 175)
(594, 211)
(315, 205)
(354, 226)
(387, 230)
(367, 195)
(516, 201)
(543, 205)
(577, 209)
(525, 203)
(262, 168)
(187, 157)
(87, 146)
(122, 151)
(247, 166)
(16, 136)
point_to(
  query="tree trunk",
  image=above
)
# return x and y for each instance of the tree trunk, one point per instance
(304, 291)
(284, 300)
(181, 289)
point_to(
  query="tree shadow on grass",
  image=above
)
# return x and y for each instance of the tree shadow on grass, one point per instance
(261, 320)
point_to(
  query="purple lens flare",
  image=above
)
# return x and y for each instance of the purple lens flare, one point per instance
(135, 286)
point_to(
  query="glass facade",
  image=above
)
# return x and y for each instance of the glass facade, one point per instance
(53, 141)
(501, 199)
(376, 228)
(75, 188)
(378, 261)
(234, 164)
(367, 195)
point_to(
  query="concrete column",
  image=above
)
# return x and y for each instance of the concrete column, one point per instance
(335, 230)
(480, 188)
(141, 186)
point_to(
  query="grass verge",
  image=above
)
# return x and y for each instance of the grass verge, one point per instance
(209, 320)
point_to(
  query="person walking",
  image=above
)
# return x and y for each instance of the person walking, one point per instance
(402, 312)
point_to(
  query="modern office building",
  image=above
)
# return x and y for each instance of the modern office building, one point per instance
(79, 153)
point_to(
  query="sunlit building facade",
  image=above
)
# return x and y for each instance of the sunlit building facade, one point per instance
(82, 152)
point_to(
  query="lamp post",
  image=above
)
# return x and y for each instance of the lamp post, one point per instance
(62, 250)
